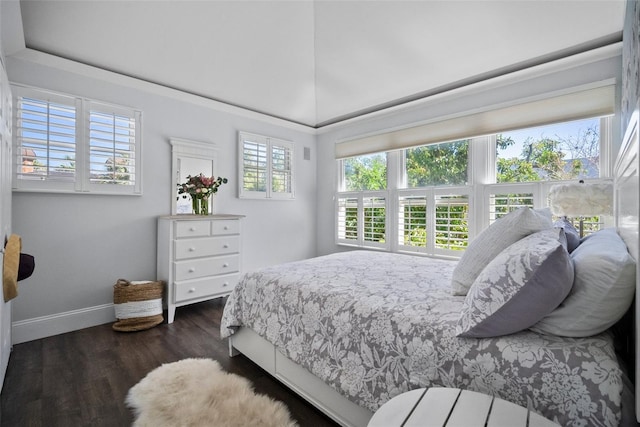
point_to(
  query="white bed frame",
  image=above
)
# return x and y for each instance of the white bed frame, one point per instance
(347, 413)
(308, 386)
(626, 201)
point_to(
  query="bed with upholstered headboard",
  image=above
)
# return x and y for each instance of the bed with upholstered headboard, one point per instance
(627, 211)
(349, 331)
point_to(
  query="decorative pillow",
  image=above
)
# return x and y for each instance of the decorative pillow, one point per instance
(603, 288)
(524, 283)
(573, 237)
(493, 240)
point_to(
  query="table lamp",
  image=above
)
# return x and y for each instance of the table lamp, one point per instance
(581, 200)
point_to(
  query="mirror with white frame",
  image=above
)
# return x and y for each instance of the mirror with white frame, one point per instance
(189, 158)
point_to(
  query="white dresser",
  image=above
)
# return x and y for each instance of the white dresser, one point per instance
(199, 257)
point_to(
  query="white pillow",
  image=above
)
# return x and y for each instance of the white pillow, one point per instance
(603, 288)
(493, 240)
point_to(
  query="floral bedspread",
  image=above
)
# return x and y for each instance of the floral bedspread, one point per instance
(373, 325)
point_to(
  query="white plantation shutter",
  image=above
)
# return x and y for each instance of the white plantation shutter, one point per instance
(374, 224)
(451, 222)
(282, 169)
(347, 220)
(254, 155)
(505, 198)
(72, 144)
(112, 146)
(433, 221)
(45, 154)
(266, 167)
(363, 220)
(412, 222)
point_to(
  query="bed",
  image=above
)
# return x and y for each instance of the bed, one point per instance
(349, 331)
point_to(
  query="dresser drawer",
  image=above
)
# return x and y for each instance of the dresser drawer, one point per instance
(225, 227)
(202, 267)
(192, 228)
(206, 246)
(205, 287)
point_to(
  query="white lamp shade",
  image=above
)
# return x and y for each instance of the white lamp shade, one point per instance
(581, 199)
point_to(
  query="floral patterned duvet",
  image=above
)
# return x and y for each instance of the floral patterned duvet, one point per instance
(373, 325)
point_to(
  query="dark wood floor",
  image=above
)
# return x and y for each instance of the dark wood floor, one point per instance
(81, 378)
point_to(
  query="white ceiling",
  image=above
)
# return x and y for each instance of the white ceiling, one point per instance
(317, 62)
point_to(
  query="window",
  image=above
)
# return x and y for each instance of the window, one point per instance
(412, 225)
(443, 194)
(46, 133)
(362, 207)
(364, 173)
(348, 220)
(266, 167)
(451, 223)
(437, 164)
(562, 151)
(375, 219)
(501, 204)
(71, 144)
(112, 146)
(362, 219)
(433, 221)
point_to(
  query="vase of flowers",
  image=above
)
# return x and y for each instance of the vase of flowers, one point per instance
(195, 205)
(200, 188)
(204, 206)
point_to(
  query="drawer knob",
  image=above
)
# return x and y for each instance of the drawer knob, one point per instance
(226, 227)
(192, 249)
(192, 229)
(192, 270)
(192, 290)
(226, 264)
(226, 246)
(225, 284)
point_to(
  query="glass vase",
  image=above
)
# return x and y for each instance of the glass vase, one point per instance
(195, 206)
(204, 206)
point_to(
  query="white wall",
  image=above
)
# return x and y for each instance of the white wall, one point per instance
(603, 64)
(83, 243)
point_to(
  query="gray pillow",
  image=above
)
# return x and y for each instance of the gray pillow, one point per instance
(524, 283)
(493, 240)
(603, 288)
(573, 237)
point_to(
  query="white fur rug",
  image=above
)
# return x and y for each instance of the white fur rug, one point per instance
(197, 392)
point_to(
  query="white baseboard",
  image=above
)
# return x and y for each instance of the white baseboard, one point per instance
(60, 323)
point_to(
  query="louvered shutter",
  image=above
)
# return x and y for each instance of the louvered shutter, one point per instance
(266, 167)
(112, 147)
(45, 154)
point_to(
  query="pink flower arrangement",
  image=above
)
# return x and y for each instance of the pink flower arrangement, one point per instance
(200, 186)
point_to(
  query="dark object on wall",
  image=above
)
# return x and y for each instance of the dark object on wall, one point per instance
(138, 305)
(26, 267)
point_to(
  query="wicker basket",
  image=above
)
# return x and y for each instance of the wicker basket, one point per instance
(138, 305)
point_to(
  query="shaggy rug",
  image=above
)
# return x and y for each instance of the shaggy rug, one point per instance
(197, 392)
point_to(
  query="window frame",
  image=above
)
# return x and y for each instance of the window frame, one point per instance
(270, 143)
(81, 181)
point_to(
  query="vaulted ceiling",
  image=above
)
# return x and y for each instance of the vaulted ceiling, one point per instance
(317, 62)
